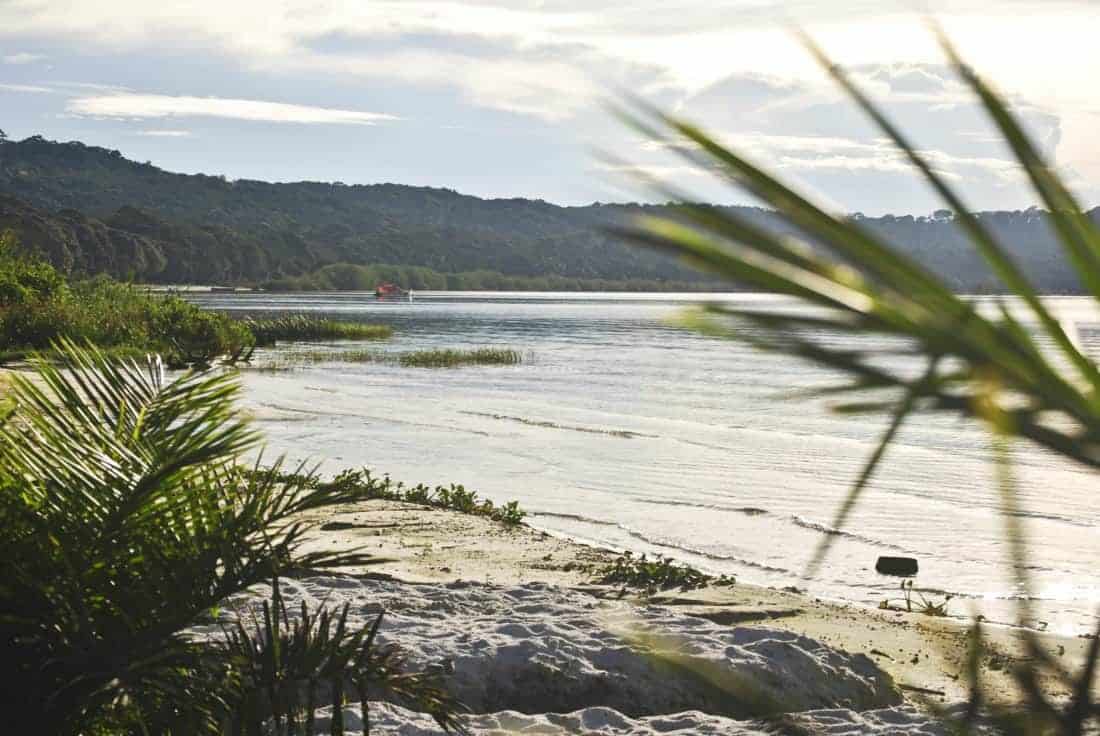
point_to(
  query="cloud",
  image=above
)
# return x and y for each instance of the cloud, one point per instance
(144, 106)
(554, 60)
(165, 133)
(28, 88)
(21, 58)
(821, 142)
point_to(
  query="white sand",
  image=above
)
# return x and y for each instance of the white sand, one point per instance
(532, 646)
(390, 719)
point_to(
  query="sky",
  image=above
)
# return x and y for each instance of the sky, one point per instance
(511, 99)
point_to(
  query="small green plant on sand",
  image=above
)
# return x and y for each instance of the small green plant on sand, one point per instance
(656, 574)
(284, 666)
(361, 484)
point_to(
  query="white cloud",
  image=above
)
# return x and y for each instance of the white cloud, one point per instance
(695, 41)
(552, 60)
(21, 58)
(165, 133)
(653, 172)
(143, 106)
(29, 88)
(550, 90)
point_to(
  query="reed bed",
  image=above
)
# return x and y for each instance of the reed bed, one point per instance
(440, 358)
(452, 358)
(268, 332)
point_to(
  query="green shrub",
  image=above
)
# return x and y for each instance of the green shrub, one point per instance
(37, 306)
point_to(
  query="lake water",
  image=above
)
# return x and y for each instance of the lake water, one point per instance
(624, 430)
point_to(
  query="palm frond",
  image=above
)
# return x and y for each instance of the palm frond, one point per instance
(848, 283)
(127, 519)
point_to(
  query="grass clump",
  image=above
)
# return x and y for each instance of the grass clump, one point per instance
(300, 327)
(657, 574)
(453, 358)
(296, 359)
(444, 358)
(288, 665)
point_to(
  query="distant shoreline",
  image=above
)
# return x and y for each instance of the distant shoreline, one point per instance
(215, 289)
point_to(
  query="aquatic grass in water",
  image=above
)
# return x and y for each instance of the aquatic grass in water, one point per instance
(300, 327)
(441, 358)
(301, 358)
(452, 358)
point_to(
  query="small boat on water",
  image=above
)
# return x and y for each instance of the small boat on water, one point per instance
(390, 291)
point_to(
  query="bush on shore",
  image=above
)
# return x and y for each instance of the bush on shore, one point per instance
(38, 306)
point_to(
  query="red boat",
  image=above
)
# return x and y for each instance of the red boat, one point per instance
(389, 290)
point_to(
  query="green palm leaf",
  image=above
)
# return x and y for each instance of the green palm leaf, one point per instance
(126, 521)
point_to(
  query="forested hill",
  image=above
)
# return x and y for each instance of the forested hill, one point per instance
(91, 210)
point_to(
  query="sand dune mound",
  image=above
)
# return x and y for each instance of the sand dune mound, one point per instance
(539, 649)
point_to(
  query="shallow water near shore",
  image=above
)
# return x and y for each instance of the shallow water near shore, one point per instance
(624, 430)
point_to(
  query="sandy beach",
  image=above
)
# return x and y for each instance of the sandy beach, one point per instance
(923, 656)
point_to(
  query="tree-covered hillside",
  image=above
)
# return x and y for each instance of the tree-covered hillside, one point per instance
(91, 210)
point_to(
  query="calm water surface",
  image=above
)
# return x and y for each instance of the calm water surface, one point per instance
(624, 430)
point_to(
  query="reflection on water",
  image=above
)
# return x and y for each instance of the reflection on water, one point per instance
(626, 430)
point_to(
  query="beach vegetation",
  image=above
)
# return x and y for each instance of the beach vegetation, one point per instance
(127, 520)
(289, 666)
(657, 574)
(365, 485)
(1017, 371)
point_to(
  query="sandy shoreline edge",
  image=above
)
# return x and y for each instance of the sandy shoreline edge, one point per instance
(924, 655)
